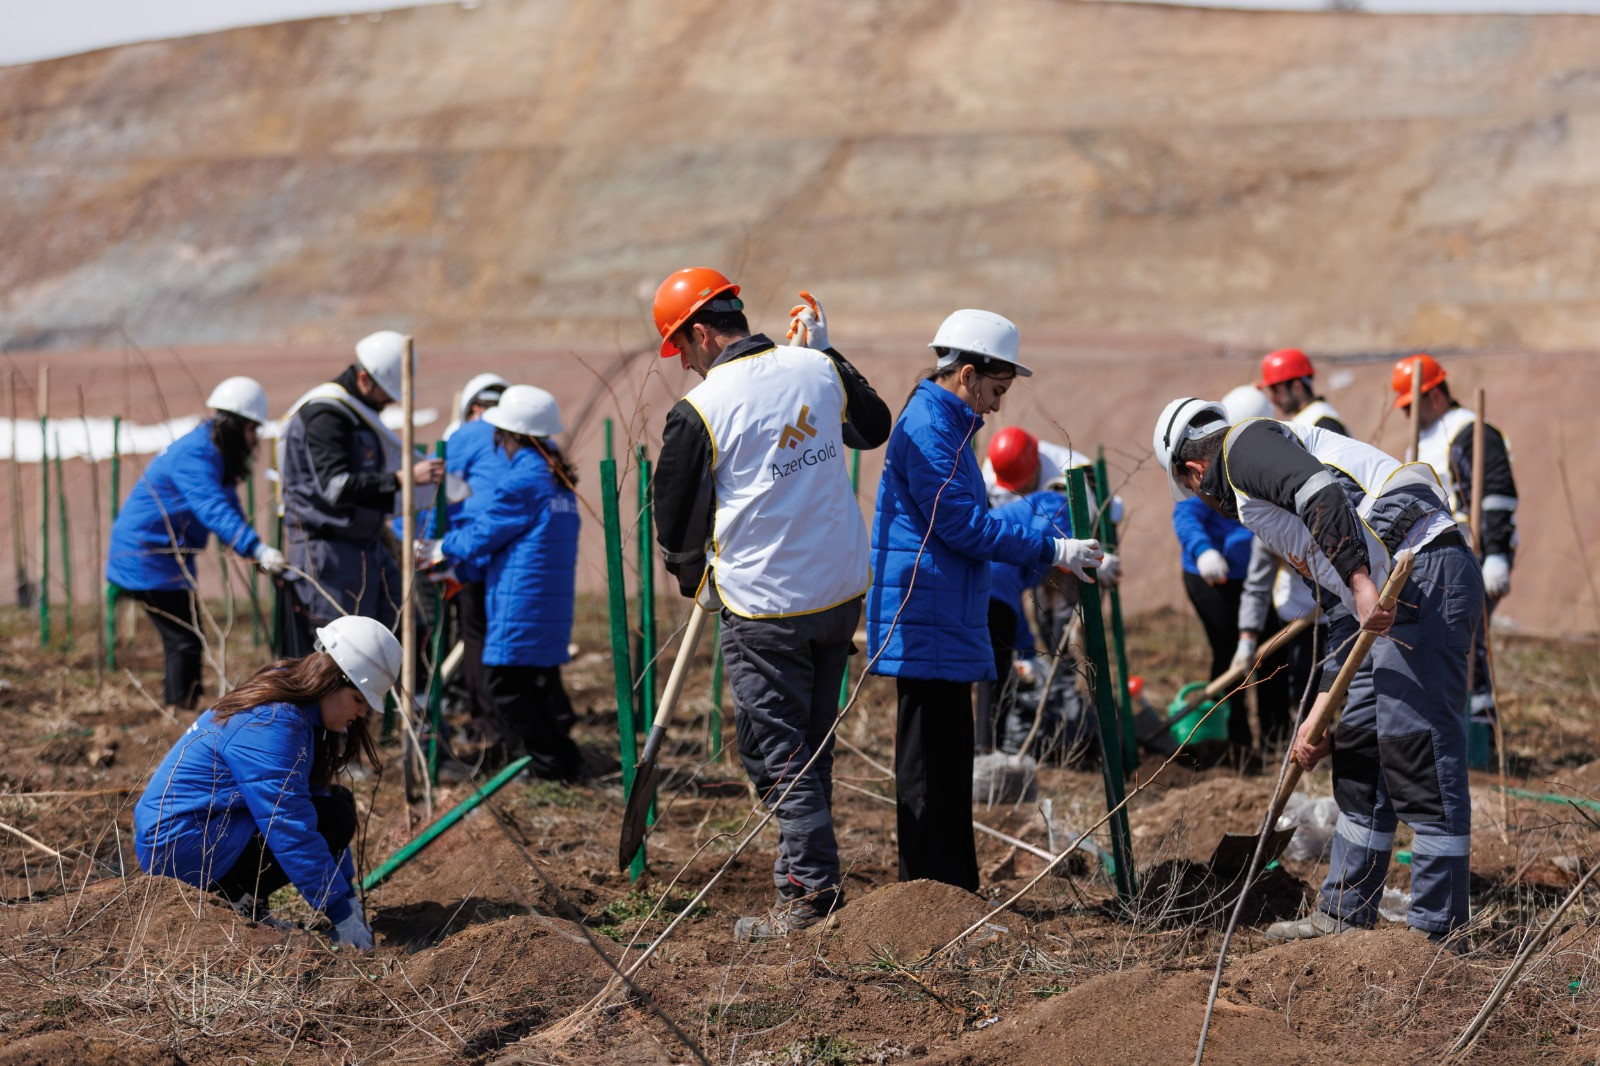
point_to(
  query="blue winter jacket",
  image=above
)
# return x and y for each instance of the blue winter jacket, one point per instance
(471, 456)
(173, 508)
(1047, 512)
(931, 478)
(1199, 529)
(223, 781)
(525, 537)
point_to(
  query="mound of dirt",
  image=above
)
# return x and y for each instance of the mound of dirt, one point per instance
(1137, 1016)
(907, 921)
(1385, 980)
(1187, 823)
(50, 1049)
(545, 954)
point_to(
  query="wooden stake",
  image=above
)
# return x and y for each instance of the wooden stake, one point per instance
(66, 541)
(95, 541)
(1416, 411)
(43, 398)
(408, 544)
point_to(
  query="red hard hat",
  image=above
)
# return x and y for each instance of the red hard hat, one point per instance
(1014, 454)
(1135, 686)
(681, 295)
(1285, 364)
(1432, 375)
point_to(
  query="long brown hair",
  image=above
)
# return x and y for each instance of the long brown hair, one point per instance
(304, 680)
(564, 472)
(986, 367)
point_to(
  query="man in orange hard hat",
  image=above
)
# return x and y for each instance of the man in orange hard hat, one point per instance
(1286, 378)
(754, 511)
(1445, 443)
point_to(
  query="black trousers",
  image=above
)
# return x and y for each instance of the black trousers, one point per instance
(531, 709)
(472, 621)
(933, 782)
(1003, 639)
(258, 874)
(175, 614)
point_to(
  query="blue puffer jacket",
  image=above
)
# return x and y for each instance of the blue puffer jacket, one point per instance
(220, 783)
(1047, 512)
(1199, 529)
(472, 457)
(525, 536)
(942, 633)
(178, 503)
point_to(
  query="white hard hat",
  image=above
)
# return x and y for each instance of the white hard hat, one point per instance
(528, 410)
(366, 651)
(981, 333)
(477, 385)
(241, 396)
(1173, 428)
(1244, 402)
(382, 355)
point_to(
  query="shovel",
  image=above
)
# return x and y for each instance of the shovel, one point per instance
(1234, 853)
(1148, 726)
(636, 819)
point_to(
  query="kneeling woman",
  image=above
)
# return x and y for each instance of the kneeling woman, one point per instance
(244, 803)
(525, 538)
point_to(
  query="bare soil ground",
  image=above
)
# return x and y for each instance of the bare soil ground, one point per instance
(479, 960)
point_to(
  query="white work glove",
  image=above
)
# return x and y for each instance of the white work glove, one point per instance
(1496, 575)
(430, 553)
(1111, 570)
(1213, 566)
(270, 559)
(1245, 654)
(354, 932)
(1078, 557)
(808, 326)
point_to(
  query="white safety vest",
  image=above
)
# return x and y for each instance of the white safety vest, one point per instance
(1371, 473)
(789, 537)
(1433, 448)
(1313, 412)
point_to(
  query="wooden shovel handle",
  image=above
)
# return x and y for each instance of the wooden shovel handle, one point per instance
(680, 666)
(1225, 682)
(1322, 716)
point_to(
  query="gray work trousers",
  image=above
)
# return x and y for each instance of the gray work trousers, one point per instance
(1400, 750)
(785, 675)
(359, 578)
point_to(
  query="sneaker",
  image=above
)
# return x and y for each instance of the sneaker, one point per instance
(1318, 924)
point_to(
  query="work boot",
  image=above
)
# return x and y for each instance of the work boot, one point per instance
(792, 912)
(1318, 924)
(1455, 942)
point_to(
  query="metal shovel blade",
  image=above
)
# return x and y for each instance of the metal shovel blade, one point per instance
(636, 819)
(1234, 852)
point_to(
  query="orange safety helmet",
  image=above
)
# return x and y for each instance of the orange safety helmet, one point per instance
(1285, 364)
(1014, 454)
(682, 294)
(1433, 376)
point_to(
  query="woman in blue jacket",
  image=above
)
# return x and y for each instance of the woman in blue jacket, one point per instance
(244, 803)
(928, 606)
(524, 537)
(187, 493)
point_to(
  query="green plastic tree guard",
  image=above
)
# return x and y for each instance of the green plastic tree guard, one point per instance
(715, 724)
(617, 604)
(1094, 637)
(1119, 642)
(66, 541)
(647, 603)
(113, 593)
(448, 819)
(441, 524)
(44, 533)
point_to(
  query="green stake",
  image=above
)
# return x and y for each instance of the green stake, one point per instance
(1119, 643)
(44, 532)
(1094, 637)
(609, 455)
(617, 603)
(715, 727)
(450, 818)
(647, 601)
(66, 538)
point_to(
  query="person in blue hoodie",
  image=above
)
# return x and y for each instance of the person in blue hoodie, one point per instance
(188, 493)
(928, 606)
(244, 803)
(524, 537)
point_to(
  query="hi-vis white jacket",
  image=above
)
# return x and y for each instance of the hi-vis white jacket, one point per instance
(1326, 503)
(753, 467)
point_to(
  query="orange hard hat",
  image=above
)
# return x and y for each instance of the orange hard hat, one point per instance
(682, 294)
(1432, 376)
(1285, 364)
(1014, 454)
